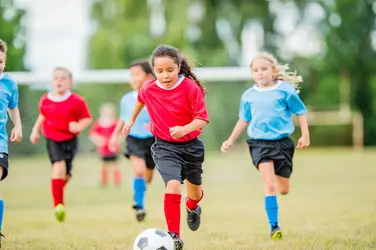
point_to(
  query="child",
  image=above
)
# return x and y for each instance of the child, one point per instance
(175, 101)
(266, 109)
(140, 139)
(9, 103)
(63, 115)
(100, 135)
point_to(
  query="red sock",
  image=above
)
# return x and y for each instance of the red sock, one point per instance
(192, 204)
(104, 176)
(57, 188)
(172, 212)
(117, 176)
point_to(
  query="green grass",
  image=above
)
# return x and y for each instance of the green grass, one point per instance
(332, 205)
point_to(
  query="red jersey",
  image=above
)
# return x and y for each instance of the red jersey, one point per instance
(177, 106)
(59, 112)
(105, 133)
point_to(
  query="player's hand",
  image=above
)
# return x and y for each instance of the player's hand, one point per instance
(178, 131)
(16, 134)
(34, 137)
(303, 142)
(98, 140)
(226, 145)
(127, 128)
(74, 127)
(113, 144)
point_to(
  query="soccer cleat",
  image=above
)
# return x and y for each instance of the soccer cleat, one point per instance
(140, 213)
(178, 243)
(1, 236)
(60, 212)
(276, 233)
(194, 218)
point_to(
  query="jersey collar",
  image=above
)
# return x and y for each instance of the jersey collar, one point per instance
(62, 98)
(2, 76)
(180, 80)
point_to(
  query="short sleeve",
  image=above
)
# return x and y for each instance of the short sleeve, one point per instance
(141, 95)
(83, 109)
(295, 104)
(198, 105)
(41, 105)
(245, 109)
(13, 102)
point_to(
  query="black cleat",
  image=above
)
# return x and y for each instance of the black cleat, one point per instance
(140, 213)
(178, 243)
(194, 218)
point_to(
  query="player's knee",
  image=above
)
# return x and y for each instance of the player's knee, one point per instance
(270, 188)
(173, 187)
(59, 169)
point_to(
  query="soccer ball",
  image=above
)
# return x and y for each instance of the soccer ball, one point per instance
(153, 239)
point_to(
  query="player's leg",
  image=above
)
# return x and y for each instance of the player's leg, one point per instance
(169, 165)
(194, 157)
(283, 185)
(104, 171)
(269, 179)
(58, 181)
(3, 175)
(139, 186)
(115, 170)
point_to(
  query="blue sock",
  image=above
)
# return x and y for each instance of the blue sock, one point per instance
(1, 213)
(271, 207)
(139, 187)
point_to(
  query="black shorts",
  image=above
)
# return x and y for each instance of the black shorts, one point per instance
(281, 152)
(140, 148)
(179, 160)
(62, 151)
(4, 162)
(109, 158)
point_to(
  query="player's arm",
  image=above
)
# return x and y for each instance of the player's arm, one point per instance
(304, 140)
(16, 134)
(34, 136)
(136, 111)
(239, 128)
(84, 123)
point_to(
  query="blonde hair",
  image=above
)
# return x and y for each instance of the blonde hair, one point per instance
(3, 46)
(65, 70)
(279, 70)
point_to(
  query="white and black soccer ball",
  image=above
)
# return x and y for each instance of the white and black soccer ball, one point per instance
(153, 239)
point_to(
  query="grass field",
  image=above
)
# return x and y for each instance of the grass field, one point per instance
(332, 205)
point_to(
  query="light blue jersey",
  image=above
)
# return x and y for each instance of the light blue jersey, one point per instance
(8, 99)
(269, 110)
(127, 103)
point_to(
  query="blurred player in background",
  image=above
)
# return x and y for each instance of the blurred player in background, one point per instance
(9, 105)
(140, 139)
(63, 115)
(100, 135)
(175, 101)
(267, 109)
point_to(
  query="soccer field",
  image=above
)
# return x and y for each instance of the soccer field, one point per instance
(331, 205)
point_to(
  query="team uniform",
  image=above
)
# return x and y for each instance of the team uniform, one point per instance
(8, 99)
(105, 132)
(269, 112)
(176, 158)
(138, 143)
(58, 113)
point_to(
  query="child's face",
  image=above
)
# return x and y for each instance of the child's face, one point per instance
(107, 112)
(138, 77)
(61, 82)
(262, 72)
(2, 62)
(166, 71)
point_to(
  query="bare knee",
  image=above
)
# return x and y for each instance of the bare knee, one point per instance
(59, 170)
(270, 188)
(284, 190)
(173, 187)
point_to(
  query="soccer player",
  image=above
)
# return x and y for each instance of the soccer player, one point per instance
(267, 109)
(175, 101)
(100, 135)
(140, 139)
(62, 116)
(9, 104)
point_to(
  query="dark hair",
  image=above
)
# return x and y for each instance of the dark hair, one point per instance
(3, 46)
(66, 70)
(174, 53)
(144, 64)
